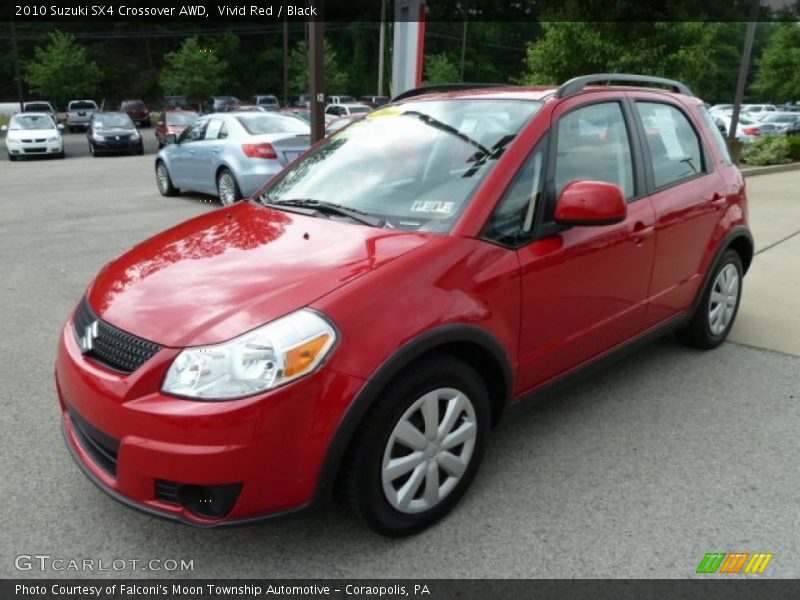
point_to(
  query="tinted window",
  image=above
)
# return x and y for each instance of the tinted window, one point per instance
(257, 124)
(512, 221)
(82, 106)
(675, 149)
(593, 144)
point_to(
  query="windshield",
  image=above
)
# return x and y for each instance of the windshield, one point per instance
(133, 105)
(257, 124)
(31, 122)
(414, 165)
(114, 120)
(181, 118)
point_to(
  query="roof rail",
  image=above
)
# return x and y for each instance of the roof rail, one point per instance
(446, 87)
(573, 86)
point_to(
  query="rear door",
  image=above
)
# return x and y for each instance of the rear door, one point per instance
(181, 155)
(687, 196)
(204, 157)
(584, 289)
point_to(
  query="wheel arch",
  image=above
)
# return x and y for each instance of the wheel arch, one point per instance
(739, 239)
(474, 345)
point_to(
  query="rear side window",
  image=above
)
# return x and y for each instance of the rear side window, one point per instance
(716, 134)
(593, 144)
(675, 149)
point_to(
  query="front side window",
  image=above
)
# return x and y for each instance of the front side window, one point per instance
(593, 144)
(414, 165)
(675, 150)
(193, 132)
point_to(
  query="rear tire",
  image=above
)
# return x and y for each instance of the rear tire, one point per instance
(164, 181)
(718, 306)
(435, 417)
(227, 189)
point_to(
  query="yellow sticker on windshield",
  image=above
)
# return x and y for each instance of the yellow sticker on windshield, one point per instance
(389, 111)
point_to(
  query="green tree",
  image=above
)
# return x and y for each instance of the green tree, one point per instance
(699, 54)
(335, 78)
(440, 69)
(61, 71)
(778, 76)
(193, 70)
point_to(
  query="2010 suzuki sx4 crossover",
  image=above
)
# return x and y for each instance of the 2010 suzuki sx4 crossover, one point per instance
(361, 322)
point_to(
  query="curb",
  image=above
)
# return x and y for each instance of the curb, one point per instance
(753, 171)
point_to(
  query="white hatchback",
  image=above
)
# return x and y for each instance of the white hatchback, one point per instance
(33, 134)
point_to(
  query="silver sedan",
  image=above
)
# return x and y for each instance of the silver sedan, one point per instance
(230, 155)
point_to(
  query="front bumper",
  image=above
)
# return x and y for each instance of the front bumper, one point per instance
(112, 145)
(273, 445)
(34, 148)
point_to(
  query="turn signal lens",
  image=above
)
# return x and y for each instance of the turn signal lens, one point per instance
(301, 359)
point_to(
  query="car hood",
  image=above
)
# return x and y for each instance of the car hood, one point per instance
(26, 134)
(226, 272)
(115, 130)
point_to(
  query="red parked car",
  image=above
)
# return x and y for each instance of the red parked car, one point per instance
(361, 323)
(137, 111)
(172, 121)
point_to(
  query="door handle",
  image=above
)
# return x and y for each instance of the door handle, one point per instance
(640, 233)
(191, 151)
(215, 149)
(717, 201)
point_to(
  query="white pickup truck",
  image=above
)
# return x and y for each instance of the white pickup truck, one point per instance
(79, 113)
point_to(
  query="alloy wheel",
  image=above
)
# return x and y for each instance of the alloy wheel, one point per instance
(226, 187)
(429, 450)
(723, 299)
(162, 177)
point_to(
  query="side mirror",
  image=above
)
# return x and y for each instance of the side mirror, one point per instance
(171, 138)
(60, 126)
(591, 203)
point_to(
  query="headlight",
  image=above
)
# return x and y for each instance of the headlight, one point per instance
(96, 136)
(135, 135)
(53, 138)
(260, 360)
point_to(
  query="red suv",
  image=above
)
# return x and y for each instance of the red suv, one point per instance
(361, 322)
(137, 111)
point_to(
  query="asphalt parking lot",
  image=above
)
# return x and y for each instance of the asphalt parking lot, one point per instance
(638, 472)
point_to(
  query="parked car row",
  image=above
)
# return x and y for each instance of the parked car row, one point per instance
(755, 120)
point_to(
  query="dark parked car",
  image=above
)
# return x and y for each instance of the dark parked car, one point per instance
(137, 111)
(380, 304)
(223, 103)
(113, 132)
(267, 101)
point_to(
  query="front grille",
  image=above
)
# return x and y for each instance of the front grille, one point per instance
(34, 150)
(101, 447)
(113, 348)
(167, 491)
(118, 139)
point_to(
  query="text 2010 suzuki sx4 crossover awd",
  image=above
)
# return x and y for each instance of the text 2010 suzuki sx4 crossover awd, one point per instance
(362, 321)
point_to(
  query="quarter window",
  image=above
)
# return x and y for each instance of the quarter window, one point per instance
(593, 144)
(512, 221)
(675, 149)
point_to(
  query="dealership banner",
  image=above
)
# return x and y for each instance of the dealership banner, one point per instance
(363, 589)
(276, 11)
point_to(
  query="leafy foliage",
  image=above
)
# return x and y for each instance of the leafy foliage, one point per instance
(335, 78)
(704, 55)
(193, 70)
(61, 71)
(779, 68)
(768, 150)
(440, 69)
(794, 146)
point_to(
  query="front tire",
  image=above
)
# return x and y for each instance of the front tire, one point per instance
(164, 181)
(419, 448)
(227, 188)
(716, 313)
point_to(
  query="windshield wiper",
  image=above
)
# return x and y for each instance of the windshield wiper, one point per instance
(429, 120)
(331, 208)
